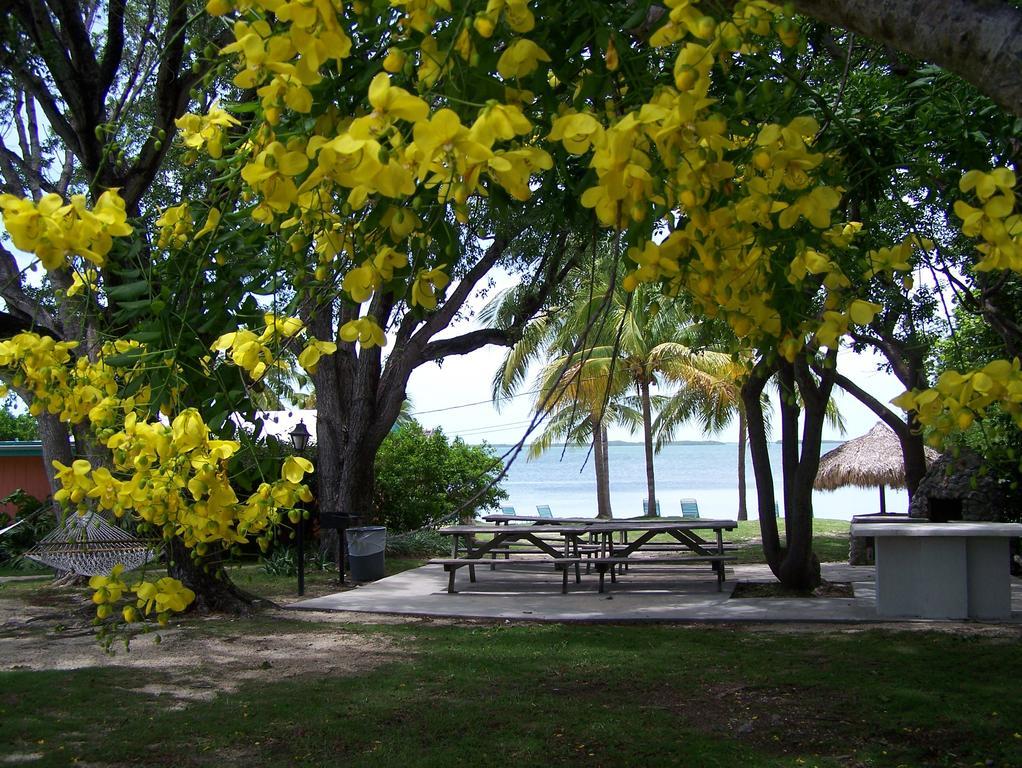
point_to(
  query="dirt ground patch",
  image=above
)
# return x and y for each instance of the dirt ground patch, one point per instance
(197, 658)
(746, 589)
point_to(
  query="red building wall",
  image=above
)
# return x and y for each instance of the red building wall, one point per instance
(24, 472)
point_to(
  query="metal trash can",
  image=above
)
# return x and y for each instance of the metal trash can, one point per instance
(365, 552)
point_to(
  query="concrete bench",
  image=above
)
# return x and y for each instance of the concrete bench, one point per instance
(957, 570)
(605, 564)
(563, 564)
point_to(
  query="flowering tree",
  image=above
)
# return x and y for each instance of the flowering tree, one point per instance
(391, 155)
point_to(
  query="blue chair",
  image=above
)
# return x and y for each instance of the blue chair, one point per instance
(544, 510)
(645, 507)
(690, 509)
(507, 510)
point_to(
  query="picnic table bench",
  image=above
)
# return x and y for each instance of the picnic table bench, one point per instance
(451, 566)
(561, 546)
(605, 564)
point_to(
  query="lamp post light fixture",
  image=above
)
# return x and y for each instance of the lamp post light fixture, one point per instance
(300, 441)
(300, 437)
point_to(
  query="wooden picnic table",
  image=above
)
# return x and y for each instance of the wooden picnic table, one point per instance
(594, 541)
(506, 539)
(687, 548)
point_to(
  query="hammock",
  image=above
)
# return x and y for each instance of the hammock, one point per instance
(90, 546)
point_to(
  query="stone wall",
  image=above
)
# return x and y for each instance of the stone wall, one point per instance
(965, 480)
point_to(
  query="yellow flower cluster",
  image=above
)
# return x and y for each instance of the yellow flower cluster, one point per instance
(715, 251)
(715, 254)
(55, 231)
(996, 221)
(176, 480)
(205, 132)
(176, 226)
(283, 60)
(960, 398)
(398, 147)
(256, 353)
(165, 596)
(71, 388)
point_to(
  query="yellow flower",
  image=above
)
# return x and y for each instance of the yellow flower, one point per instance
(391, 101)
(611, 56)
(426, 286)
(280, 327)
(175, 227)
(365, 331)
(816, 207)
(520, 59)
(295, 468)
(394, 61)
(166, 595)
(499, 121)
(198, 131)
(314, 349)
(212, 220)
(189, 431)
(988, 184)
(85, 281)
(361, 281)
(576, 131)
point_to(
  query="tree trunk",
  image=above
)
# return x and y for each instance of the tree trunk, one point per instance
(602, 467)
(56, 442)
(913, 450)
(978, 40)
(743, 440)
(647, 440)
(213, 588)
(794, 564)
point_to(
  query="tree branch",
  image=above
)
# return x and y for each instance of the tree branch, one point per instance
(18, 302)
(467, 342)
(885, 414)
(114, 48)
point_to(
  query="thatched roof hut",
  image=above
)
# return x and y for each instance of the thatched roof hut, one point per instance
(875, 459)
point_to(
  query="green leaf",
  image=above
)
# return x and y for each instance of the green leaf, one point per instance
(125, 360)
(146, 337)
(139, 304)
(128, 291)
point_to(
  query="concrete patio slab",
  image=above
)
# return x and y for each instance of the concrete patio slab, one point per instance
(532, 592)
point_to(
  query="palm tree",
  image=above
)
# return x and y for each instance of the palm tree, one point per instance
(653, 348)
(573, 391)
(580, 393)
(715, 403)
(598, 345)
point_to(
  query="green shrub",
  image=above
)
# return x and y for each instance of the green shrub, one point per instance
(39, 521)
(421, 477)
(421, 543)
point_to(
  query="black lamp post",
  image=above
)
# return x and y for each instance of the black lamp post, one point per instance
(300, 441)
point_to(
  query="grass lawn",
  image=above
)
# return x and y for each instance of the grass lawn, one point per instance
(830, 540)
(424, 693)
(547, 695)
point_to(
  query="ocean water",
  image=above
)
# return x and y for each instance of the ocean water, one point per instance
(707, 472)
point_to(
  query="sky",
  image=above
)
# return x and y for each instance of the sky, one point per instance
(456, 397)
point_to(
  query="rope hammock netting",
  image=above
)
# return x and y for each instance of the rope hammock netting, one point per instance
(88, 545)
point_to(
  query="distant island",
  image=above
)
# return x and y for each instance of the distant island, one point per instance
(625, 443)
(638, 443)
